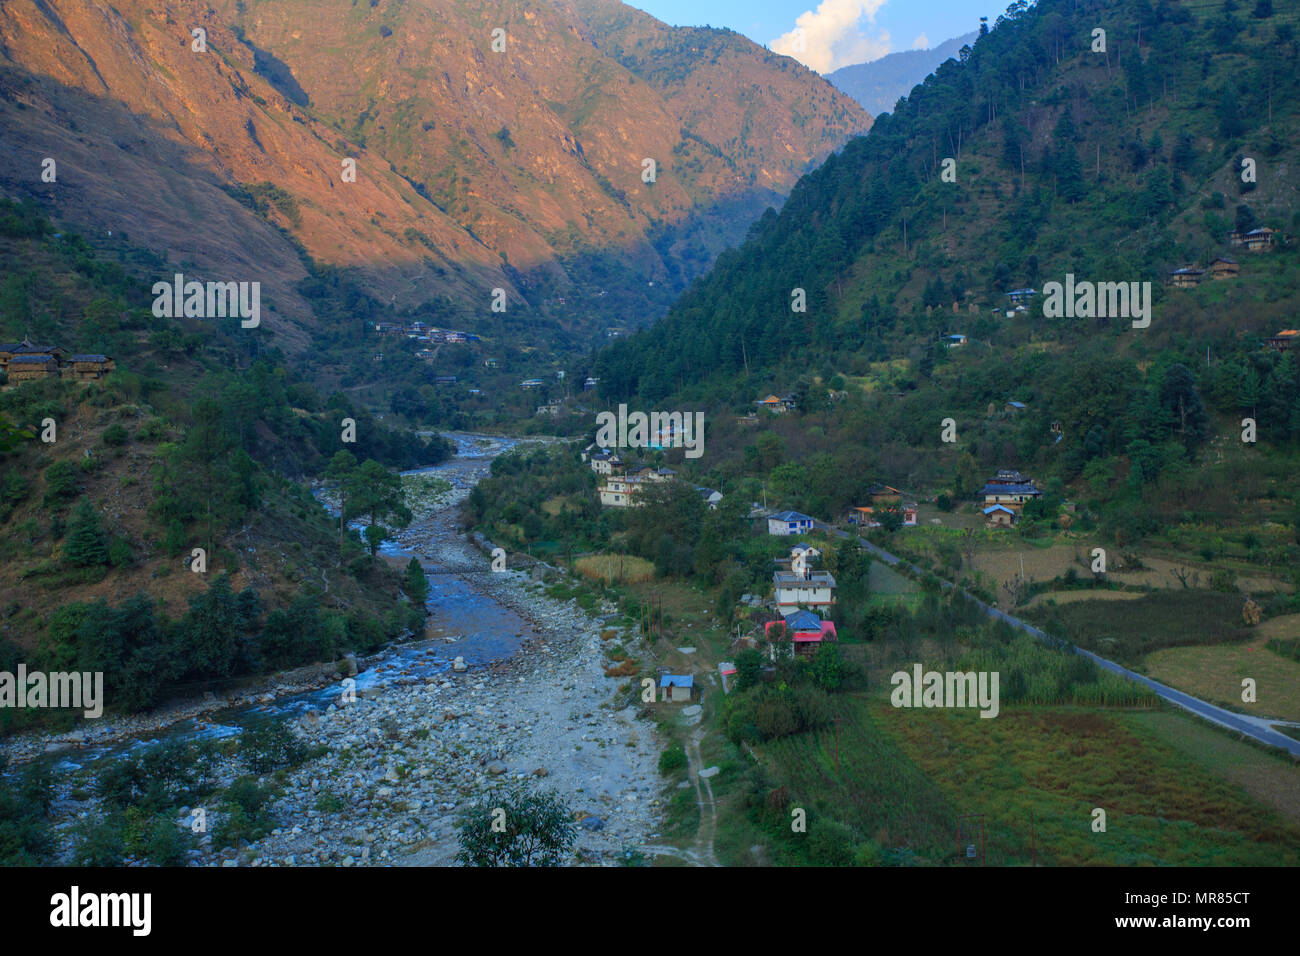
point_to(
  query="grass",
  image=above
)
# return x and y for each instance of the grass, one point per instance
(1126, 631)
(624, 568)
(1268, 778)
(1215, 673)
(879, 793)
(1163, 806)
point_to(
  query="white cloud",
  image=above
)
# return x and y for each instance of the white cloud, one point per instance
(922, 42)
(834, 35)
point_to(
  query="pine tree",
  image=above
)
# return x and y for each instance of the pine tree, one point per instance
(85, 546)
(416, 583)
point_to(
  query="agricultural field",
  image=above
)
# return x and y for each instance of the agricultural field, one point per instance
(1215, 673)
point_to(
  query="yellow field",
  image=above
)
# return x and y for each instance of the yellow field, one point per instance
(1214, 673)
(616, 567)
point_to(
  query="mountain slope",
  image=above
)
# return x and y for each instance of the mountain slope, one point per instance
(475, 169)
(1116, 167)
(880, 84)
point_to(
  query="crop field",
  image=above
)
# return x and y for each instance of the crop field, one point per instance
(1161, 805)
(1215, 673)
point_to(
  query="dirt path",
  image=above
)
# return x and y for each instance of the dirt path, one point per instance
(702, 853)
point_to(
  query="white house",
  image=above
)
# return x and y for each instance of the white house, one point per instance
(789, 522)
(809, 588)
(677, 688)
(606, 462)
(711, 497)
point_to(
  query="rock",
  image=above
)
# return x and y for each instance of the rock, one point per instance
(541, 772)
(709, 772)
(459, 665)
(496, 768)
(593, 823)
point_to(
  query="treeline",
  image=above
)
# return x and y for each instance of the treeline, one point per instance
(224, 635)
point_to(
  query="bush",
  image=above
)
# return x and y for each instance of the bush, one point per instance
(115, 435)
(672, 759)
(270, 747)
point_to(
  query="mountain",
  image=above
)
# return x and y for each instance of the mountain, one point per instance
(475, 169)
(1067, 165)
(880, 84)
(1121, 166)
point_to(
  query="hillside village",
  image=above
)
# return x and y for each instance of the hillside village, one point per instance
(26, 361)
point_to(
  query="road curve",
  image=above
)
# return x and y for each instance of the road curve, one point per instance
(1257, 728)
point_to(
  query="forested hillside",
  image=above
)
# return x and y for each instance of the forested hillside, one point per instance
(198, 439)
(892, 258)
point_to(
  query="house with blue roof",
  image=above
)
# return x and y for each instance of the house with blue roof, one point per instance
(676, 688)
(789, 522)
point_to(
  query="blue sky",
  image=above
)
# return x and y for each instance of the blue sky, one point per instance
(835, 33)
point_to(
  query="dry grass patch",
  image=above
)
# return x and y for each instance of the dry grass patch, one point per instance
(615, 567)
(1215, 674)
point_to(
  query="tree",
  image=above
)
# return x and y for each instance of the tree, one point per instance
(340, 471)
(376, 492)
(520, 828)
(86, 545)
(1178, 395)
(750, 663)
(416, 583)
(375, 536)
(828, 667)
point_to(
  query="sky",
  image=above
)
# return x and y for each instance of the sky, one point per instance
(835, 33)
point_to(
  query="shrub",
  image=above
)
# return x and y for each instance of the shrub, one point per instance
(115, 435)
(674, 758)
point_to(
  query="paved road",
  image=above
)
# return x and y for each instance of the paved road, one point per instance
(1255, 727)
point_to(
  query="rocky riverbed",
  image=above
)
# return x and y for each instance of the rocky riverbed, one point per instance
(408, 752)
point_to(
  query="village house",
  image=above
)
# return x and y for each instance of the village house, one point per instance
(1000, 516)
(26, 361)
(550, 408)
(1186, 277)
(531, 383)
(491, 363)
(1010, 489)
(867, 517)
(1021, 296)
(710, 496)
(806, 588)
(789, 522)
(620, 491)
(1256, 240)
(798, 633)
(956, 340)
(27, 368)
(676, 688)
(884, 495)
(88, 366)
(1013, 408)
(1224, 268)
(1285, 340)
(606, 462)
(589, 383)
(749, 418)
(777, 406)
